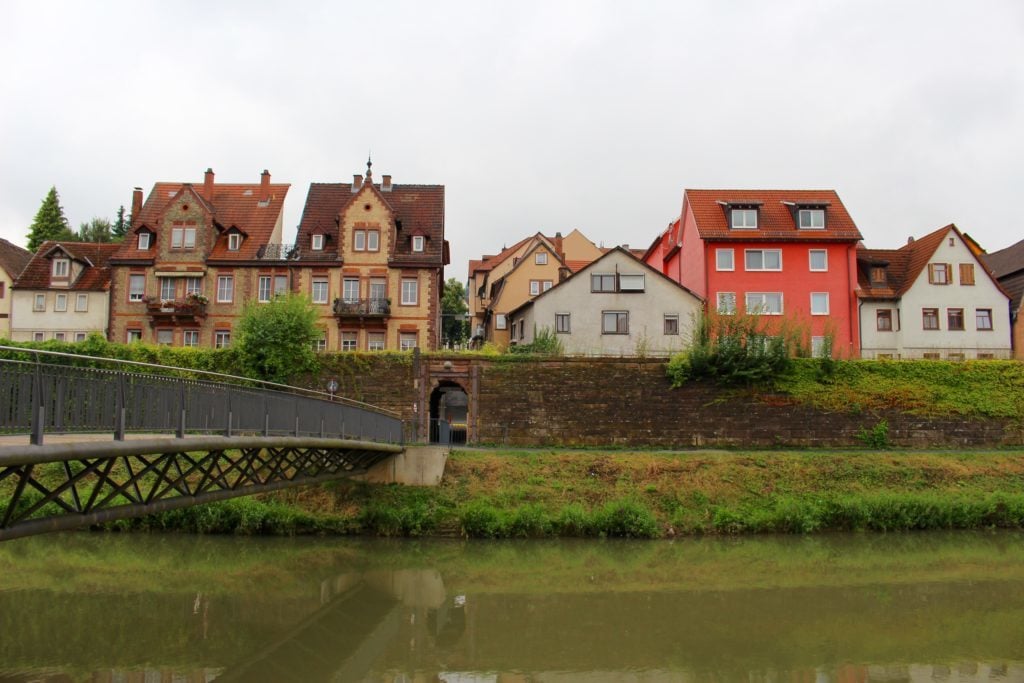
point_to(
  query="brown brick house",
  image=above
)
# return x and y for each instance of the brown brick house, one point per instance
(194, 256)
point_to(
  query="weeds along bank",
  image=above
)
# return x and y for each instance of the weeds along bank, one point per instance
(549, 493)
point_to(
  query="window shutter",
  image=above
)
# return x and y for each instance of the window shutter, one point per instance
(931, 273)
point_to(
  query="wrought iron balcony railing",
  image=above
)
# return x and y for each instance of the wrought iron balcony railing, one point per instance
(176, 309)
(362, 307)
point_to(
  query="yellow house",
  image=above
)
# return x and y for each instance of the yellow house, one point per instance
(13, 260)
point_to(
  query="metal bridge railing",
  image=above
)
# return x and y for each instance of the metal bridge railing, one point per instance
(51, 392)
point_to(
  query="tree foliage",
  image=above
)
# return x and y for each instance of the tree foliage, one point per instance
(96, 230)
(732, 349)
(454, 325)
(275, 339)
(121, 224)
(49, 223)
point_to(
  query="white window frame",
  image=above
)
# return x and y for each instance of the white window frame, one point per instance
(80, 336)
(280, 285)
(417, 242)
(132, 334)
(136, 293)
(978, 327)
(819, 297)
(168, 288)
(817, 347)
(225, 289)
(545, 285)
(744, 224)
(373, 240)
(810, 260)
(810, 214)
(600, 279)
(534, 287)
(61, 268)
(234, 241)
(59, 336)
(747, 253)
(38, 336)
(60, 302)
(190, 338)
(632, 282)
(221, 339)
(320, 343)
(194, 285)
(725, 303)
(318, 290)
(190, 238)
(720, 254)
(616, 316)
(410, 292)
(670, 318)
(359, 240)
(500, 321)
(317, 243)
(143, 241)
(750, 303)
(404, 339)
(540, 258)
(349, 341)
(39, 303)
(162, 338)
(81, 303)
(350, 290)
(264, 289)
(376, 341)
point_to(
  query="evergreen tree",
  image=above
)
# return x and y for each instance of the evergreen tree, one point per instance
(49, 223)
(96, 230)
(121, 224)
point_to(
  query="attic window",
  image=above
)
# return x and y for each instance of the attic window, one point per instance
(234, 241)
(60, 267)
(878, 275)
(541, 258)
(247, 193)
(811, 219)
(143, 241)
(743, 219)
(171, 193)
(417, 242)
(318, 243)
(263, 203)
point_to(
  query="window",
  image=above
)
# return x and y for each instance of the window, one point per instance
(350, 290)
(985, 356)
(143, 241)
(221, 339)
(319, 292)
(878, 275)
(318, 243)
(671, 324)
(349, 341)
(955, 356)
(954, 319)
(534, 287)
(183, 238)
(764, 303)
(726, 303)
(743, 219)
(818, 259)
(280, 285)
(81, 303)
(60, 303)
(225, 289)
(410, 292)
(359, 240)
(938, 273)
(37, 336)
(263, 289)
(136, 287)
(132, 335)
(562, 323)
(541, 258)
(406, 341)
(190, 338)
(602, 283)
(500, 323)
(375, 341)
(545, 285)
(725, 259)
(320, 343)
(967, 273)
(819, 303)
(931, 355)
(59, 336)
(2, 286)
(39, 302)
(417, 242)
(812, 219)
(817, 347)
(378, 295)
(166, 288)
(373, 240)
(194, 286)
(883, 320)
(930, 318)
(631, 283)
(234, 241)
(983, 318)
(80, 336)
(614, 322)
(165, 337)
(764, 259)
(60, 267)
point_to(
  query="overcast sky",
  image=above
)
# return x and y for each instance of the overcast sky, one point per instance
(535, 115)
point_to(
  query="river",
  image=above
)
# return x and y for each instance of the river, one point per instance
(166, 608)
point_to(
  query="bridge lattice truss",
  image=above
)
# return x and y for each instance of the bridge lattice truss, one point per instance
(64, 486)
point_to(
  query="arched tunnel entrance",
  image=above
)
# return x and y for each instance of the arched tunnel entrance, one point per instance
(449, 413)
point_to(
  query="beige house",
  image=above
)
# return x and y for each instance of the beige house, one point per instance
(63, 293)
(616, 306)
(13, 260)
(503, 282)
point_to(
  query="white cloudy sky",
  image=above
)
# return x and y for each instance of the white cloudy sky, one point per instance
(535, 115)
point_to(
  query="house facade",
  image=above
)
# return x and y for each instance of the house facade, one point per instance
(13, 260)
(63, 293)
(1007, 266)
(194, 257)
(371, 258)
(932, 298)
(786, 254)
(615, 306)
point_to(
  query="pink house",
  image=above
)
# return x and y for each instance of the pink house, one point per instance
(786, 253)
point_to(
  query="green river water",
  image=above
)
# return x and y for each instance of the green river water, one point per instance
(166, 608)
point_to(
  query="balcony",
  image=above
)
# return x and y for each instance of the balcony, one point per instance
(362, 308)
(188, 311)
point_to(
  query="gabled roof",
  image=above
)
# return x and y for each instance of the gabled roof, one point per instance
(1005, 261)
(13, 258)
(775, 220)
(231, 205)
(95, 257)
(418, 209)
(488, 263)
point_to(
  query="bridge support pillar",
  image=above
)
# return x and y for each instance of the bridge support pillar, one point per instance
(416, 466)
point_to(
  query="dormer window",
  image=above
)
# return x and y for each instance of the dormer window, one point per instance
(811, 219)
(417, 242)
(234, 241)
(318, 243)
(878, 275)
(61, 267)
(143, 241)
(183, 238)
(743, 219)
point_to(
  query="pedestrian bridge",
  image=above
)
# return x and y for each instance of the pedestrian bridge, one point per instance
(89, 440)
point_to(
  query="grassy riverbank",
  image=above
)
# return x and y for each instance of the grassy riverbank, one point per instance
(542, 493)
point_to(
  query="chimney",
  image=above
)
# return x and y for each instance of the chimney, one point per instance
(910, 240)
(558, 245)
(357, 183)
(208, 185)
(265, 185)
(385, 185)
(136, 204)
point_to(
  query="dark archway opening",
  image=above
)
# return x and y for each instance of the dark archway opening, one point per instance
(449, 413)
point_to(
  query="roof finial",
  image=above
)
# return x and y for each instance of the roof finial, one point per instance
(369, 163)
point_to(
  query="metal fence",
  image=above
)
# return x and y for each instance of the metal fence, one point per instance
(40, 396)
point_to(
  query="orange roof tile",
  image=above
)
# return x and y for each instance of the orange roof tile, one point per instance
(775, 220)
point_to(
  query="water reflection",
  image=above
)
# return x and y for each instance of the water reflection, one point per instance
(929, 607)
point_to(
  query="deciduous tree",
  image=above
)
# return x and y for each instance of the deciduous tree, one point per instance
(275, 338)
(96, 230)
(454, 325)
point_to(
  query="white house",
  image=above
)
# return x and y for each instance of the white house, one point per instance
(932, 298)
(616, 306)
(13, 260)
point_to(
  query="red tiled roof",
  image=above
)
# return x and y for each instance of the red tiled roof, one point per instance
(418, 208)
(95, 257)
(576, 266)
(775, 221)
(232, 204)
(489, 262)
(13, 258)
